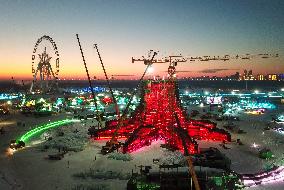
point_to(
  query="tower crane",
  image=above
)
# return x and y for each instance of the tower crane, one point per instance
(173, 60)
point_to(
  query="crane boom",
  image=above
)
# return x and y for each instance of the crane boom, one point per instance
(108, 83)
(113, 139)
(180, 58)
(90, 83)
(192, 172)
(188, 159)
(113, 143)
(130, 100)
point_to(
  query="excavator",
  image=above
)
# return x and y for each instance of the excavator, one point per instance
(111, 145)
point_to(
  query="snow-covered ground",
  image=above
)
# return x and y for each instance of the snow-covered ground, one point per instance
(29, 169)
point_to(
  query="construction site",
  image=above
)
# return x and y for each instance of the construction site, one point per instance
(154, 136)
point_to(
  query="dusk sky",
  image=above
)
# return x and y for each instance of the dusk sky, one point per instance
(125, 29)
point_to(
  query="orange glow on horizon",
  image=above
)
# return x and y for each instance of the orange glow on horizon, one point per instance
(21, 70)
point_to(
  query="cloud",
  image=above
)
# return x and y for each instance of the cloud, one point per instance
(182, 71)
(214, 70)
(204, 71)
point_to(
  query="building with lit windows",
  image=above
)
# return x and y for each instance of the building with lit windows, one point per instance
(260, 77)
(271, 77)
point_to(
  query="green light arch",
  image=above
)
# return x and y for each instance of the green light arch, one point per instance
(28, 135)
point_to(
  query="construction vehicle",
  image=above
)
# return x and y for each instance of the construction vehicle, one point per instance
(17, 145)
(111, 146)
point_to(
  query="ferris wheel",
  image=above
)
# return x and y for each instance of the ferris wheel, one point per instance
(45, 66)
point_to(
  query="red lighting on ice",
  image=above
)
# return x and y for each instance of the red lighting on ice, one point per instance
(107, 100)
(156, 119)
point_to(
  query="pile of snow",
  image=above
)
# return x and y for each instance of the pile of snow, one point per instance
(102, 174)
(175, 157)
(91, 187)
(70, 138)
(120, 156)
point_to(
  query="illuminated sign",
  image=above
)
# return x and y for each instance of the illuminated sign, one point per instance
(214, 100)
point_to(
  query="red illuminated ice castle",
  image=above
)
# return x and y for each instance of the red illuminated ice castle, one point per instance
(159, 116)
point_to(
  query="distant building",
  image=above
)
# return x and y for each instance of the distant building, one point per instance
(272, 77)
(260, 77)
(248, 75)
(245, 75)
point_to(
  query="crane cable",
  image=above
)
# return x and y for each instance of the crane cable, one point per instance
(192, 172)
(138, 86)
(131, 97)
(90, 83)
(108, 83)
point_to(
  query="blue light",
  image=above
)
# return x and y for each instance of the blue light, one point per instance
(255, 105)
(8, 96)
(280, 118)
